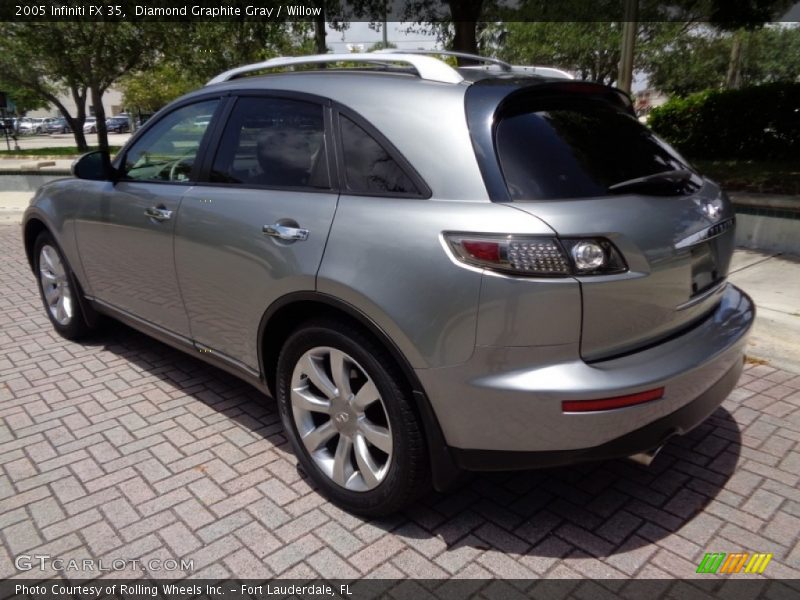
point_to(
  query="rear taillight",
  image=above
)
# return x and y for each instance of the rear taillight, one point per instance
(535, 256)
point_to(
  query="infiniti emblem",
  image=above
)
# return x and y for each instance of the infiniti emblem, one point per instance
(712, 209)
(342, 418)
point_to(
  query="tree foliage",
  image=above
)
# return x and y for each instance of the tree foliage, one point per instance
(591, 50)
(699, 59)
(84, 57)
(23, 98)
(206, 49)
(767, 124)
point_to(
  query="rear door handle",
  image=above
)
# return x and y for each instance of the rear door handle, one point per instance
(285, 232)
(159, 214)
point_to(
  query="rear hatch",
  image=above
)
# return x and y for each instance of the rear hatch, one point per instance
(574, 155)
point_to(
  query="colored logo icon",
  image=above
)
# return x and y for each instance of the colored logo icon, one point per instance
(738, 562)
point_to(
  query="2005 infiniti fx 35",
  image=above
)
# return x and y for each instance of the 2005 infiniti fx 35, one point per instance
(430, 269)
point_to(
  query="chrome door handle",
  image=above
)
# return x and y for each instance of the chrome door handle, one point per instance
(159, 214)
(285, 233)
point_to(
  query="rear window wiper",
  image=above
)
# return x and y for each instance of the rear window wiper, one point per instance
(665, 180)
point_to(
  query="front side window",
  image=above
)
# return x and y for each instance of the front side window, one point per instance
(168, 150)
(273, 142)
(369, 169)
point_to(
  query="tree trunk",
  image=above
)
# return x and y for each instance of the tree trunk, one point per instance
(465, 15)
(734, 77)
(319, 29)
(76, 122)
(100, 115)
(78, 95)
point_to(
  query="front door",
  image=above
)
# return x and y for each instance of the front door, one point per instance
(256, 230)
(125, 235)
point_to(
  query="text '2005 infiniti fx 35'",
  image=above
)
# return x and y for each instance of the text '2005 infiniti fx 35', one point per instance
(430, 269)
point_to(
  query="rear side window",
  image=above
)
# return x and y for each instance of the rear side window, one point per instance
(273, 142)
(369, 169)
(578, 149)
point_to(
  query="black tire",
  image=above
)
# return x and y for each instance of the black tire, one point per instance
(76, 325)
(408, 474)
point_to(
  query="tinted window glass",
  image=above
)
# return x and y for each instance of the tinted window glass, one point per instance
(273, 142)
(577, 151)
(168, 149)
(368, 167)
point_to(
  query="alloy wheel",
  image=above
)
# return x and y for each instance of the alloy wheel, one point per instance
(341, 418)
(55, 285)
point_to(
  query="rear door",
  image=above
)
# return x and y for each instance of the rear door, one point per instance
(256, 229)
(587, 167)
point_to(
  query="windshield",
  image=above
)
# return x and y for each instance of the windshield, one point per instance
(579, 149)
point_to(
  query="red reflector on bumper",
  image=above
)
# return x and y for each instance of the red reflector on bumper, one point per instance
(611, 403)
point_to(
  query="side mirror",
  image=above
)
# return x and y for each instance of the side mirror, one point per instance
(95, 166)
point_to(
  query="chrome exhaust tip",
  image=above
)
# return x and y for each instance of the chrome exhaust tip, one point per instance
(647, 457)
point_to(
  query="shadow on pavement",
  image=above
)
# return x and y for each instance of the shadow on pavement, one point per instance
(594, 509)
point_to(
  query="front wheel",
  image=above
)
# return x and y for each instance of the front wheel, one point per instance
(350, 420)
(59, 289)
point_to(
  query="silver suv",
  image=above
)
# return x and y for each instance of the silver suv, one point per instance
(430, 269)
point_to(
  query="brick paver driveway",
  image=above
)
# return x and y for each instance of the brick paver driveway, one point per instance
(122, 448)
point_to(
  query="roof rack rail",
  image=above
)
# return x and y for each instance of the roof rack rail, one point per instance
(543, 71)
(477, 58)
(427, 67)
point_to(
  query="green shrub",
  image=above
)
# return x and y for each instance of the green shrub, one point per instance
(761, 122)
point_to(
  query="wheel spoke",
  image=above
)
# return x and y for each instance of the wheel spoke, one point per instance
(47, 276)
(67, 301)
(58, 270)
(51, 294)
(47, 254)
(366, 465)
(318, 376)
(318, 436)
(304, 398)
(376, 435)
(60, 313)
(366, 396)
(340, 371)
(341, 460)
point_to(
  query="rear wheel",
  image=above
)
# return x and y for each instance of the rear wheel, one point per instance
(350, 419)
(59, 289)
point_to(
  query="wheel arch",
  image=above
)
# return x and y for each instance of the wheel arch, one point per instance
(287, 313)
(31, 230)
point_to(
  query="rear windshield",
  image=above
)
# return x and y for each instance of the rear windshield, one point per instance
(577, 150)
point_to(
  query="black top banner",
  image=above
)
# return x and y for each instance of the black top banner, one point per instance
(733, 12)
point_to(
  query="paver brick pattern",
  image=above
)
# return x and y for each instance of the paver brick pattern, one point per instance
(123, 448)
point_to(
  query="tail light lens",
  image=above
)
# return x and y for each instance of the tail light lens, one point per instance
(535, 256)
(574, 406)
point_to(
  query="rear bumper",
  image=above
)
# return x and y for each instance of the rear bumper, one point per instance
(502, 408)
(641, 440)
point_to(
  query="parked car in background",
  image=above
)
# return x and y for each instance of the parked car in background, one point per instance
(90, 125)
(58, 125)
(118, 124)
(46, 123)
(30, 126)
(429, 268)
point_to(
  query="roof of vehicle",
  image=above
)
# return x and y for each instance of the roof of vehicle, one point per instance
(421, 63)
(419, 106)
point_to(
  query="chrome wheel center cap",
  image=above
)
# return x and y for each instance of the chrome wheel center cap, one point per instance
(345, 420)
